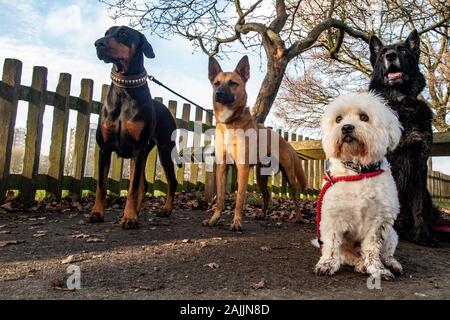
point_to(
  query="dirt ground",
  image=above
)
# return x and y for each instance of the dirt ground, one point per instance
(177, 258)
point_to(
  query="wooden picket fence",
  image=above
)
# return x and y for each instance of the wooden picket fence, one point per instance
(192, 176)
(439, 186)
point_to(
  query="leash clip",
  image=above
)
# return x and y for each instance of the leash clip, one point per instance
(329, 178)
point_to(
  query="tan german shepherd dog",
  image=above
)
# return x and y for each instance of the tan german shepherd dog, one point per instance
(233, 115)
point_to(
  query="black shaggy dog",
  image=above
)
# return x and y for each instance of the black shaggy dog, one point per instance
(396, 77)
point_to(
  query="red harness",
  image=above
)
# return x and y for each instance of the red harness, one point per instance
(331, 181)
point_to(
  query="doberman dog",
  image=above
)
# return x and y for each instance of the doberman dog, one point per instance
(131, 123)
(233, 116)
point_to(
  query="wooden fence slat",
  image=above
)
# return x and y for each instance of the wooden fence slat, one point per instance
(104, 96)
(36, 108)
(59, 136)
(193, 179)
(182, 181)
(209, 178)
(116, 174)
(12, 73)
(81, 137)
(284, 185)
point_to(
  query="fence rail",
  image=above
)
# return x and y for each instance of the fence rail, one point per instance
(192, 176)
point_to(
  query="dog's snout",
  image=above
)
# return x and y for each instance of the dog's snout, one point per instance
(100, 43)
(219, 94)
(348, 128)
(391, 55)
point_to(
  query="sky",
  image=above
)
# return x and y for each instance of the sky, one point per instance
(60, 35)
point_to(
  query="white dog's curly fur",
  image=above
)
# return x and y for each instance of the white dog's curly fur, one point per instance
(357, 217)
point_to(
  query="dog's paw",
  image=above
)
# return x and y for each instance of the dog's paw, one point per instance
(129, 222)
(164, 213)
(96, 217)
(380, 273)
(236, 225)
(360, 268)
(326, 267)
(211, 222)
(394, 266)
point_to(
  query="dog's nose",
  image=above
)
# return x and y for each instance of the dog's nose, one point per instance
(348, 128)
(100, 43)
(391, 55)
(220, 95)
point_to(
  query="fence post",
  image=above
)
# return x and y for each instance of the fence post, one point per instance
(210, 177)
(36, 108)
(193, 179)
(186, 111)
(12, 72)
(81, 136)
(59, 136)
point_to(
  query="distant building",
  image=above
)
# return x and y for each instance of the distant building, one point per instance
(90, 154)
(18, 151)
(19, 137)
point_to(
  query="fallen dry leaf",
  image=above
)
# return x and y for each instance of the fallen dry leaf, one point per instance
(9, 242)
(7, 206)
(266, 248)
(81, 235)
(212, 265)
(94, 240)
(69, 259)
(259, 285)
(185, 241)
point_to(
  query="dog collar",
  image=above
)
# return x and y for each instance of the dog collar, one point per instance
(358, 168)
(128, 82)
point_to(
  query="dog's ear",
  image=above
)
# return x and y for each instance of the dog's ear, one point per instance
(413, 42)
(375, 45)
(213, 69)
(146, 47)
(243, 68)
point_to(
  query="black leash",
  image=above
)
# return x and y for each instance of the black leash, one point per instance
(159, 83)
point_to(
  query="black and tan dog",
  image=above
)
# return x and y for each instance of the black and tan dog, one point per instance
(131, 123)
(232, 114)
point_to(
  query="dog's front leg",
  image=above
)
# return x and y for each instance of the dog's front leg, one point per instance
(130, 216)
(371, 250)
(98, 210)
(221, 180)
(242, 175)
(329, 262)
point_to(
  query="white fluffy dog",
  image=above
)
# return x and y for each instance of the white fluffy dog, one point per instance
(358, 208)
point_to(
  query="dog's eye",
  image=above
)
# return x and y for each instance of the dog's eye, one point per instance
(383, 51)
(122, 34)
(232, 83)
(364, 117)
(338, 119)
(401, 49)
(216, 84)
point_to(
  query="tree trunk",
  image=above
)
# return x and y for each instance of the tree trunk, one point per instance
(276, 66)
(439, 118)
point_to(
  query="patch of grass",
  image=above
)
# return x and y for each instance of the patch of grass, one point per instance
(442, 204)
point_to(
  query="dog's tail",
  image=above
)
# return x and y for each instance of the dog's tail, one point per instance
(299, 173)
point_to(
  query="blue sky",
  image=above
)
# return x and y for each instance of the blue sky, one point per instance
(60, 35)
